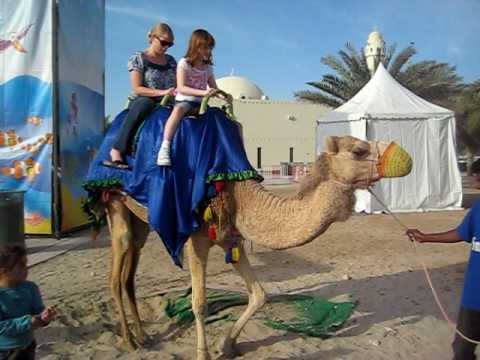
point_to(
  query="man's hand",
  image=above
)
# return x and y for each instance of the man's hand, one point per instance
(415, 235)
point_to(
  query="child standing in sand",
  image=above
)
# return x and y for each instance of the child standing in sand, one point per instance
(195, 79)
(468, 322)
(21, 307)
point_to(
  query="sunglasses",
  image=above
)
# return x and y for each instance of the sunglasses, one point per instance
(164, 43)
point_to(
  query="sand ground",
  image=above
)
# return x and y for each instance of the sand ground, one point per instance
(366, 259)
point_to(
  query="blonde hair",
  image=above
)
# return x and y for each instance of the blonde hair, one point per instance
(159, 30)
(198, 39)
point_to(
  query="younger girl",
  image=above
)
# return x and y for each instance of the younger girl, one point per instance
(21, 307)
(194, 80)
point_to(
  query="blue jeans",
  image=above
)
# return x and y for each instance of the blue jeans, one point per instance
(27, 353)
(187, 105)
(138, 110)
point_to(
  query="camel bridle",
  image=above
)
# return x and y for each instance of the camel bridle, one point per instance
(375, 161)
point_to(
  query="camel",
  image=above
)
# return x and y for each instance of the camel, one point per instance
(325, 196)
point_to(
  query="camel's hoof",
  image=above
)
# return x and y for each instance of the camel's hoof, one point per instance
(203, 355)
(128, 345)
(141, 337)
(227, 348)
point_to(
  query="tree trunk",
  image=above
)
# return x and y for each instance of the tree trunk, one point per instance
(469, 163)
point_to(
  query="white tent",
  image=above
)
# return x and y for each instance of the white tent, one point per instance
(385, 110)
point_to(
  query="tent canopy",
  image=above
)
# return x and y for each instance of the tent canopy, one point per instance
(385, 110)
(383, 97)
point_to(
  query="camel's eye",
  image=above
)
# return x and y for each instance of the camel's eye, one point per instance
(360, 152)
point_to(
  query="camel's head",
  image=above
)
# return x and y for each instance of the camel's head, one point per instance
(361, 163)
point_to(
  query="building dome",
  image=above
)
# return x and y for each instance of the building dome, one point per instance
(375, 38)
(240, 88)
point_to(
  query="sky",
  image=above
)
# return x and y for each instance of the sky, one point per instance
(278, 44)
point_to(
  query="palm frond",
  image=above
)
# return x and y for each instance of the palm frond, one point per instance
(401, 59)
(389, 54)
(317, 98)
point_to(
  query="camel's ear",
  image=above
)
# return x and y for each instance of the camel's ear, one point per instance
(332, 144)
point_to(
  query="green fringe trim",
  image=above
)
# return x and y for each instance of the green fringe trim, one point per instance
(94, 189)
(235, 176)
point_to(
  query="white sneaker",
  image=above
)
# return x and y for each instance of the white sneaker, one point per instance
(163, 158)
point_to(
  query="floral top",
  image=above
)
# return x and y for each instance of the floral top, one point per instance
(155, 76)
(194, 78)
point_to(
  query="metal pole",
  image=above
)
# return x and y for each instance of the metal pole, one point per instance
(56, 191)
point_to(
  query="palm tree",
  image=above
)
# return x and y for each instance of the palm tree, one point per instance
(433, 81)
(467, 112)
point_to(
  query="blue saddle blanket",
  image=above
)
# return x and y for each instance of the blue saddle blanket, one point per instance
(204, 149)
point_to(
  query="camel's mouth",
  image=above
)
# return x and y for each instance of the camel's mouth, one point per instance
(365, 183)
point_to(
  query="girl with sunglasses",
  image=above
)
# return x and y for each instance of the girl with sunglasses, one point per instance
(152, 76)
(195, 79)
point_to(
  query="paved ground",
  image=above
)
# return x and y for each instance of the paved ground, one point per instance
(44, 248)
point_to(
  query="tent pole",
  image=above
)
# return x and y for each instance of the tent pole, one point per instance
(56, 203)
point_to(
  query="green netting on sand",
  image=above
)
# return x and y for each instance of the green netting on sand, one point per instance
(314, 316)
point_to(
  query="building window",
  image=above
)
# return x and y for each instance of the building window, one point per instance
(259, 157)
(291, 154)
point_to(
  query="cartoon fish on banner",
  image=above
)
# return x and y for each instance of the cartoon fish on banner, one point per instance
(34, 120)
(28, 168)
(48, 139)
(32, 148)
(34, 218)
(14, 41)
(35, 147)
(9, 138)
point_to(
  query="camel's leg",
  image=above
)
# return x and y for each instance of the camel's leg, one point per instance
(256, 299)
(119, 224)
(140, 232)
(198, 248)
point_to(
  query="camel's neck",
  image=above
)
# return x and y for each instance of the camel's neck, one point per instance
(279, 223)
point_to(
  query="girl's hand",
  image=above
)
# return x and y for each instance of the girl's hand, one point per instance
(169, 91)
(228, 98)
(37, 322)
(48, 314)
(210, 92)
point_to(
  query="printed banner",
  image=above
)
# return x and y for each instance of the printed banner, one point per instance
(26, 136)
(81, 57)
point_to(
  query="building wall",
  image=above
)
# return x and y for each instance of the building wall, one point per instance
(275, 127)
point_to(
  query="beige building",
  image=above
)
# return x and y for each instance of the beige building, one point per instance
(274, 131)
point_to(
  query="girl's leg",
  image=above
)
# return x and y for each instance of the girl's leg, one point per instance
(172, 123)
(138, 111)
(163, 158)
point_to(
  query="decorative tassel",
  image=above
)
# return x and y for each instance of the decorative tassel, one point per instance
(208, 215)
(228, 256)
(212, 233)
(232, 255)
(105, 196)
(219, 185)
(220, 217)
(235, 254)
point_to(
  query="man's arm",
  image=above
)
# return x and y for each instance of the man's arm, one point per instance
(450, 236)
